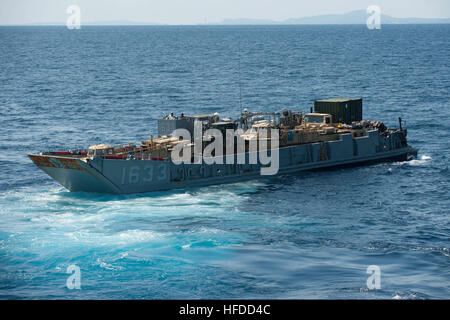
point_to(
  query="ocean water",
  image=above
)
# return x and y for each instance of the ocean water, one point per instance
(305, 235)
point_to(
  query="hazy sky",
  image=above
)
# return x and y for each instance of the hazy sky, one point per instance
(199, 11)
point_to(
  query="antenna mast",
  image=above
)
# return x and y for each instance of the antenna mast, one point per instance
(240, 85)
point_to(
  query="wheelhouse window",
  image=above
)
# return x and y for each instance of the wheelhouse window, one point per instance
(314, 119)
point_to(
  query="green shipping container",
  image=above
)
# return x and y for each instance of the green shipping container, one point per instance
(343, 110)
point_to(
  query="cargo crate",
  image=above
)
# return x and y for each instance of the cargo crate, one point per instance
(342, 110)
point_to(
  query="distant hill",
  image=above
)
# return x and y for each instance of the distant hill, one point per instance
(354, 17)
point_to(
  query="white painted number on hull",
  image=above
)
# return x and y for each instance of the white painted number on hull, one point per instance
(148, 174)
(136, 174)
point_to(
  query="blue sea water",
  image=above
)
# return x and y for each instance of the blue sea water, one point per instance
(305, 235)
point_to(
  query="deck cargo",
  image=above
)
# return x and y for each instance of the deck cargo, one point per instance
(343, 110)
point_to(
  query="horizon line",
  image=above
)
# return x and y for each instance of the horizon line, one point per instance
(249, 21)
(214, 24)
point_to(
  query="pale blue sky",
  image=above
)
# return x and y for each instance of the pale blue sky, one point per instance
(199, 11)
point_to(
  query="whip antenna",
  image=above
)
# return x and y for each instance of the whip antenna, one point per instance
(239, 75)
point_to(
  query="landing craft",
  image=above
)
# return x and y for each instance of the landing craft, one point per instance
(333, 135)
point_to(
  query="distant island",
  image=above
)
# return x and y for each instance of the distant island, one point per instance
(354, 17)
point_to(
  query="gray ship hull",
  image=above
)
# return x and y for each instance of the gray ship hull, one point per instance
(138, 176)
